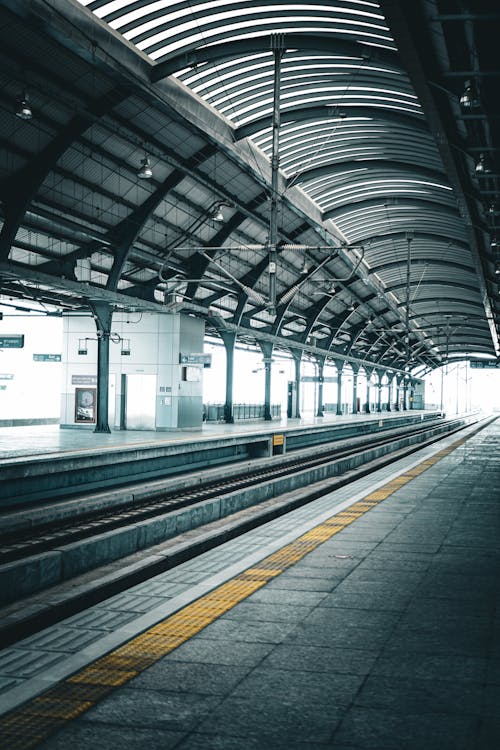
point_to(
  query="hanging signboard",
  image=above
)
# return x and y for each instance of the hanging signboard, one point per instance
(195, 359)
(483, 364)
(12, 341)
(46, 357)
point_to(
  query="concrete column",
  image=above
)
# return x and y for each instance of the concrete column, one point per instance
(267, 351)
(229, 340)
(103, 314)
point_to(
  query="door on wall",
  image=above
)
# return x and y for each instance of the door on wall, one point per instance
(140, 402)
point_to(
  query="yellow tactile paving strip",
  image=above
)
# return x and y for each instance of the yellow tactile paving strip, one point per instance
(33, 722)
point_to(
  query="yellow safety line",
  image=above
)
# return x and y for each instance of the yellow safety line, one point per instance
(30, 724)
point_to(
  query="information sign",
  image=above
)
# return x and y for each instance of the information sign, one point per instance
(46, 357)
(195, 359)
(483, 364)
(12, 341)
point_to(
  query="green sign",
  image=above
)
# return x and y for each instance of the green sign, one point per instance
(483, 364)
(46, 357)
(12, 341)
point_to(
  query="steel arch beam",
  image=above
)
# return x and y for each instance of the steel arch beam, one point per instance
(225, 50)
(302, 114)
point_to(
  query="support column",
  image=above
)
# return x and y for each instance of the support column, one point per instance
(339, 389)
(320, 362)
(355, 392)
(389, 393)
(405, 394)
(397, 407)
(267, 351)
(412, 389)
(367, 404)
(379, 392)
(229, 340)
(103, 314)
(297, 358)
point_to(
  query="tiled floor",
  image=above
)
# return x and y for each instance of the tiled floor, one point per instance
(385, 636)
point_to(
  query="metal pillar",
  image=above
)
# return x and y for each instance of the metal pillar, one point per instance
(297, 358)
(103, 314)
(379, 396)
(389, 393)
(339, 391)
(367, 405)
(229, 340)
(277, 43)
(354, 392)
(320, 362)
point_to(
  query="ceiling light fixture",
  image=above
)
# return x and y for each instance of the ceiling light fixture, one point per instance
(24, 111)
(145, 172)
(217, 214)
(469, 99)
(483, 166)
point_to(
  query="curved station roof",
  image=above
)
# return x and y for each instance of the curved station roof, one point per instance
(314, 176)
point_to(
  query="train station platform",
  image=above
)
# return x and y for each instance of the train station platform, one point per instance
(21, 441)
(45, 462)
(365, 620)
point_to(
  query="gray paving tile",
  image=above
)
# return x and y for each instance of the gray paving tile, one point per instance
(267, 612)
(190, 677)
(22, 663)
(383, 730)
(82, 735)
(414, 696)
(59, 638)
(205, 651)
(317, 659)
(311, 688)
(294, 583)
(248, 632)
(275, 596)
(99, 618)
(448, 668)
(153, 709)
(196, 741)
(285, 719)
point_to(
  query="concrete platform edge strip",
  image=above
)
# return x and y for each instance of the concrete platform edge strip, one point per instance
(43, 715)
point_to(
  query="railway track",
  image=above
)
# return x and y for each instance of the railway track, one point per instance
(43, 538)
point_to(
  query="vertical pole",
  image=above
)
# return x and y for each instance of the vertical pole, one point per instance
(267, 351)
(320, 363)
(103, 314)
(277, 42)
(407, 315)
(354, 392)
(339, 390)
(229, 341)
(297, 358)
